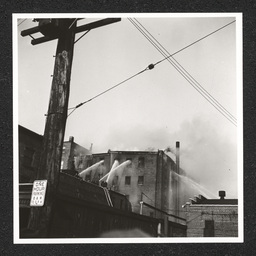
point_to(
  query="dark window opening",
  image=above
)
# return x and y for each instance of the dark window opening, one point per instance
(140, 180)
(115, 180)
(129, 159)
(89, 163)
(141, 163)
(151, 214)
(127, 180)
(209, 228)
(102, 159)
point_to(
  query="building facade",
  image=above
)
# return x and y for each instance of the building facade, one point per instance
(147, 178)
(143, 176)
(212, 217)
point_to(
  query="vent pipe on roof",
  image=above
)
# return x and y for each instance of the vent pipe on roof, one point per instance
(71, 138)
(222, 194)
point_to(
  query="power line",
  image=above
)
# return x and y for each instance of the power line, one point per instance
(21, 22)
(196, 41)
(183, 71)
(187, 73)
(151, 66)
(111, 88)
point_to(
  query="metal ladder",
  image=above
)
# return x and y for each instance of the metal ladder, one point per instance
(107, 196)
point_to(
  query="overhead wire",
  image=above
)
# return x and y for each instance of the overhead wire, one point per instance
(109, 89)
(188, 74)
(183, 71)
(151, 66)
(21, 22)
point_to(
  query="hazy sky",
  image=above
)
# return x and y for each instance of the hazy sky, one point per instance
(154, 109)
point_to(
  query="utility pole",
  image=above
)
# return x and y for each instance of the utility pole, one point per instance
(50, 163)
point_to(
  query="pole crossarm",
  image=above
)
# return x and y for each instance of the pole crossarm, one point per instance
(86, 27)
(96, 24)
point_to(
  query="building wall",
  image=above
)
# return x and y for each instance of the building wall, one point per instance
(29, 154)
(149, 174)
(212, 220)
(73, 155)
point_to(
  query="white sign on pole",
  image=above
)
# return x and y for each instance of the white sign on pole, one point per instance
(38, 193)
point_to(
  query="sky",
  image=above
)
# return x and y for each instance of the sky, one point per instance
(154, 109)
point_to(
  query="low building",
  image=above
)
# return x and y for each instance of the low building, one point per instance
(212, 217)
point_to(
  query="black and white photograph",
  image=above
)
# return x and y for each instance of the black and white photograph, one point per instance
(128, 128)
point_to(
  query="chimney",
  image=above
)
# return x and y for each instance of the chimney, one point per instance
(178, 157)
(222, 194)
(177, 203)
(91, 148)
(71, 138)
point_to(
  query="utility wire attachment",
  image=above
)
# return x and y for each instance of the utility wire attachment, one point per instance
(151, 66)
(82, 36)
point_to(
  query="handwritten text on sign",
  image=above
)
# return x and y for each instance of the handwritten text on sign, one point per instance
(38, 193)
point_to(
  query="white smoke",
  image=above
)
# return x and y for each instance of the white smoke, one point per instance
(207, 156)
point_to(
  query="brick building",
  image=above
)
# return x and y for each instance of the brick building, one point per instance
(146, 177)
(212, 217)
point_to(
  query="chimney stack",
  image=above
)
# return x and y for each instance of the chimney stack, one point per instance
(177, 204)
(91, 148)
(178, 157)
(222, 194)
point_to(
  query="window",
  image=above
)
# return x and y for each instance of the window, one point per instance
(129, 159)
(151, 214)
(209, 228)
(115, 180)
(141, 163)
(127, 180)
(140, 180)
(102, 159)
(89, 163)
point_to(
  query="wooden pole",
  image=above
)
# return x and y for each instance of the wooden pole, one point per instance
(50, 161)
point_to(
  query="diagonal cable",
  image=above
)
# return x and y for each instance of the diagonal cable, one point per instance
(188, 74)
(184, 72)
